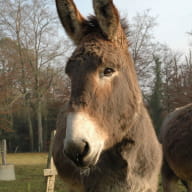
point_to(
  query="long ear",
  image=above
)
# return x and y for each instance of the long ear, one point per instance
(71, 19)
(108, 17)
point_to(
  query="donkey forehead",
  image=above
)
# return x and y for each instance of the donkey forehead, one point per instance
(81, 61)
(92, 56)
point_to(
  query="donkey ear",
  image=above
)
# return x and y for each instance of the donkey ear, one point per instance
(108, 17)
(71, 19)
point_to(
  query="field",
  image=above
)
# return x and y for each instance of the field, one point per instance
(29, 174)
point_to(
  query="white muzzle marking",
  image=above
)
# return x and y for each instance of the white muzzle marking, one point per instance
(81, 127)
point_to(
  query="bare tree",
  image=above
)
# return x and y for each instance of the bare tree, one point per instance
(177, 81)
(143, 45)
(190, 34)
(8, 95)
(33, 25)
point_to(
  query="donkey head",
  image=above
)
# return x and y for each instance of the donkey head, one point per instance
(105, 95)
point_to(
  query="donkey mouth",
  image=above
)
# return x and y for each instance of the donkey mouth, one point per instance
(90, 161)
(84, 161)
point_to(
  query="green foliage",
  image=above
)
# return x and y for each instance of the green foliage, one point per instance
(155, 100)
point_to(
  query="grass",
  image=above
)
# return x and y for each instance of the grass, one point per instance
(29, 174)
(181, 188)
(27, 158)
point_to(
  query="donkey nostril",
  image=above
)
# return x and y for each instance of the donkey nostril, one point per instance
(84, 152)
(86, 149)
(77, 151)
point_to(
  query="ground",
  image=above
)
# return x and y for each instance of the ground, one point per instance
(29, 174)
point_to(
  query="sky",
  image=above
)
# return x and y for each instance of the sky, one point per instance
(174, 18)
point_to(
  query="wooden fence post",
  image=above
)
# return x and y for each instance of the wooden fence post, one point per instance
(7, 171)
(50, 172)
(3, 149)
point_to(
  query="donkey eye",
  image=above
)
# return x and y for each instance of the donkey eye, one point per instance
(108, 71)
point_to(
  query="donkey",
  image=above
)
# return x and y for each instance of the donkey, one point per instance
(105, 141)
(176, 138)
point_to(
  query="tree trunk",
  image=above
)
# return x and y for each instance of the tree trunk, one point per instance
(40, 127)
(45, 132)
(30, 126)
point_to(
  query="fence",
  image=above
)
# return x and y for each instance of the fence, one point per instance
(3, 151)
(50, 172)
(7, 171)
